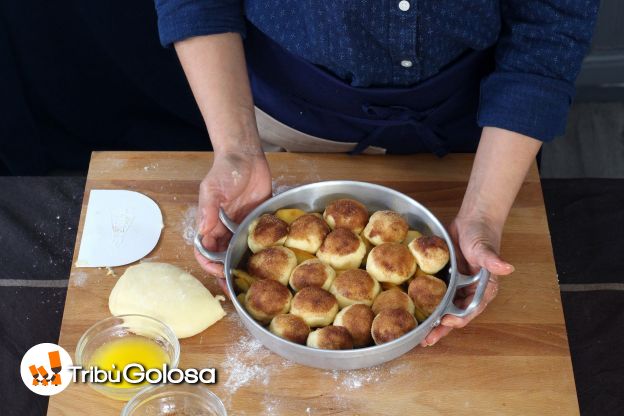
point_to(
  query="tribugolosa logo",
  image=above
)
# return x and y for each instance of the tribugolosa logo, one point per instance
(45, 369)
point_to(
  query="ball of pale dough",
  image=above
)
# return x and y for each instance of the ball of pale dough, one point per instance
(167, 293)
(386, 227)
(266, 231)
(317, 307)
(307, 233)
(391, 262)
(342, 249)
(358, 320)
(354, 286)
(312, 272)
(330, 338)
(275, 263)
(346, 213)
(431, 253)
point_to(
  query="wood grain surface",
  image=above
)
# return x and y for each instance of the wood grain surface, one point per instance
(513, 359)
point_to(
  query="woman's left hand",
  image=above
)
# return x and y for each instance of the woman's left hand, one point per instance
(477, 244)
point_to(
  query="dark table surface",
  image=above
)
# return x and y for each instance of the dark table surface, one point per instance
(39, 217)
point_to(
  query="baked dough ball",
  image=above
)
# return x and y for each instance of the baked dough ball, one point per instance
(330, 338)
(346, 213)
(290, 327)
(391, 262)
(275, 263)
(312, 272)
(266, 299)
(307, 233)
(266, 231)
(431, 253)
(391, 324)
(358, 320)
(427, 293)
(354, 286)
(386, 227)
(316, 306)
(393, 298)
(342, 249)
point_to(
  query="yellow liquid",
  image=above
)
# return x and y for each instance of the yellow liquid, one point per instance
(129, 350)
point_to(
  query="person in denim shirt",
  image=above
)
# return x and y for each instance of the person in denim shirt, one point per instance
(401, 76)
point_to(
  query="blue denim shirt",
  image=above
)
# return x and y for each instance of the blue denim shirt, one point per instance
(540, 44)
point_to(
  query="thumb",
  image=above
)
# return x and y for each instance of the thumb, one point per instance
(484, 255)
(208, 214)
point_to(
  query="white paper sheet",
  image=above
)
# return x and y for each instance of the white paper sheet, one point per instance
(121, 227)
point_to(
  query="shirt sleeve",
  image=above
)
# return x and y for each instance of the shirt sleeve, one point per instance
(538, 57)
(181, 19)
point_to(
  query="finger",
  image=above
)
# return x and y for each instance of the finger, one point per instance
(208, 210)
(215, 269)
(456, 322)
(485, 256)
(435, 335)
(213, 240)
(223, 284)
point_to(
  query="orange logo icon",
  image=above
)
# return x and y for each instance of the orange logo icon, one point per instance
(45, 369)
(55, 366)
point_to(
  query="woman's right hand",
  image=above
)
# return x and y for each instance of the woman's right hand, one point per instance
(237, 182)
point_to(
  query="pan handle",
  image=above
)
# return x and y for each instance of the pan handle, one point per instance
(218, 257)
(482, 278)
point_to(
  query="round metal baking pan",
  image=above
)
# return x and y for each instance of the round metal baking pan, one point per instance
(313, 198)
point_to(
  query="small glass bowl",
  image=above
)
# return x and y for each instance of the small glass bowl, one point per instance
(116, 327)
(175, 399)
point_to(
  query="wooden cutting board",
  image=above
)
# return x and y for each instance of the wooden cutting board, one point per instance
(513, 359)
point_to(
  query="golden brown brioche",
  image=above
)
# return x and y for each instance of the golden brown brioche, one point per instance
(330, 338)
(307, 233)
(354, 286)
(316, 306)
(391, 324)
(266, 231)
(427, 293)
(393, 298)
(358, 320)
(312, 272)
(385, 227)
(431, 253)
(391, 262)
(342, 249)
(266, 299)
(275, 263)
(290, 327)
(346, 213)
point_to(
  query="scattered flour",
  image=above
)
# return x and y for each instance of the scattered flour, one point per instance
(271, 405)
(236, 176)
(244, 364)
(248, 362)
(188, 224)
(283, 183)
(79, 279)
(151, 166)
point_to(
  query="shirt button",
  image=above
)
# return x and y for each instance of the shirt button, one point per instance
(404, 5)
(406, 64)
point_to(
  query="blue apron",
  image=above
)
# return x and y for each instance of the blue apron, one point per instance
(438, 115)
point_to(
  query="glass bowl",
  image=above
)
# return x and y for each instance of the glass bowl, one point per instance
(175, 399)
(117, 327)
